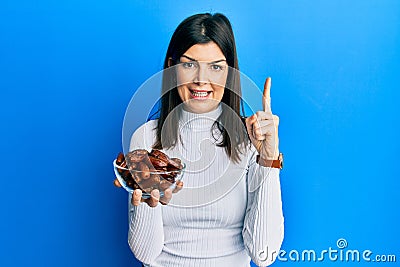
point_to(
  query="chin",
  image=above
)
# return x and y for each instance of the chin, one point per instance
(202, 106)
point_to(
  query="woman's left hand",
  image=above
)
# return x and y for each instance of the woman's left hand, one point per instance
(262, 127)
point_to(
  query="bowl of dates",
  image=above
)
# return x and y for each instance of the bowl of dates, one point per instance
(140, 169)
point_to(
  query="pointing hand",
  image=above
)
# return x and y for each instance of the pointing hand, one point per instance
(262, 127)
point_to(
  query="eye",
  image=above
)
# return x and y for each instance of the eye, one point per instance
(188, 65)
(216, 67)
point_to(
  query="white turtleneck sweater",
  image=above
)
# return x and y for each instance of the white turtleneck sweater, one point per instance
(226, 214)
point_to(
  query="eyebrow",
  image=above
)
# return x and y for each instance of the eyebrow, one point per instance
(192, 59)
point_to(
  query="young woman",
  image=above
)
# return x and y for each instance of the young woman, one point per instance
(229, 211)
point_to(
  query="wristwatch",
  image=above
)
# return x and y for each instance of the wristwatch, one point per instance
(277, 163)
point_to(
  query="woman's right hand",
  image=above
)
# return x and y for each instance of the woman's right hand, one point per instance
(155, 195)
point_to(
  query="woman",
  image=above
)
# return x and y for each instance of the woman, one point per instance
(228, 223)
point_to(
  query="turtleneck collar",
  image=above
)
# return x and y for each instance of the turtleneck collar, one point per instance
(199, 121)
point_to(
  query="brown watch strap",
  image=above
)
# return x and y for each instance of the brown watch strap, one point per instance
(277, 163)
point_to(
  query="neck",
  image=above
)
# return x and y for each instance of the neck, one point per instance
(199, 120)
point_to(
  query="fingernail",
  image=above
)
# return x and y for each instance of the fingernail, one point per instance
(156, 193)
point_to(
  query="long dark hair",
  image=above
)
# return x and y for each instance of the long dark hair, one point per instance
(202, 29)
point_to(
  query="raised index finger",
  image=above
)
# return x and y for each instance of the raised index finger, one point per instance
(267, 95)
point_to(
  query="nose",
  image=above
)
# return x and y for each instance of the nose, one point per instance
(201, 75)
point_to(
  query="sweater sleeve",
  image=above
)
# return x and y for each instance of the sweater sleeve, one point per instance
(263, 228)
(146, 235)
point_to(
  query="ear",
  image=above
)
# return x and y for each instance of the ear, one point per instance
(169, 61)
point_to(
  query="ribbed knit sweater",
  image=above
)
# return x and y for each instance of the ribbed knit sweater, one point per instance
(226, 214)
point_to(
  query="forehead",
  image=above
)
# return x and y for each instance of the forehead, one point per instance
(205, 52)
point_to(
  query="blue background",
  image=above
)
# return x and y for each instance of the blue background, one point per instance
(68, 70)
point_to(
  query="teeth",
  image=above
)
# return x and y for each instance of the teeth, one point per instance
(199, 94)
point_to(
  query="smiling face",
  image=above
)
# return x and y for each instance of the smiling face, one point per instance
(201, 75)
